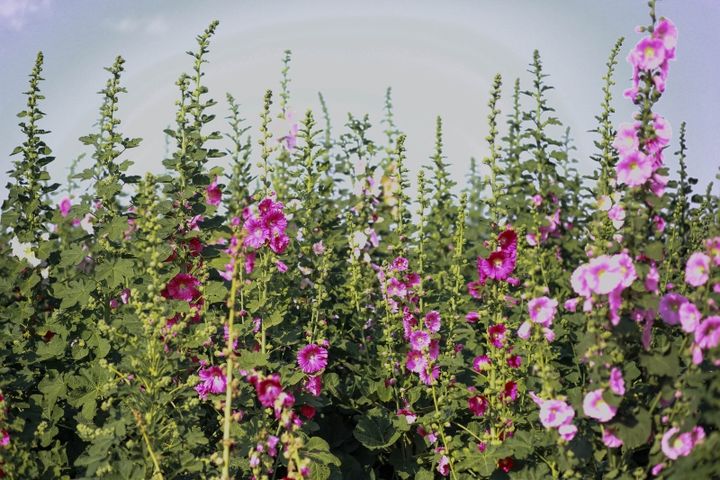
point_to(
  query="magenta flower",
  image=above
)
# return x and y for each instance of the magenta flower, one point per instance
(268, 390)
(478, 405)
(212, 380)
(507, 241)
(415, 361)
(400, 264)
(670, 306)
(64, 207)
(689, 316)
(257, 233)
(434, 349)
(626, 139)
(275, 222)
(5, 438)
(213, 193)
(481, 363)
(396, 288)
(542, 310)
(666, 31)
(182, 286)
(697, 269)
(514, 361)
(420, 340)
(499, 265)
(596, 407)
(443, 466)
(472, 317)
(432, 321)
(313, 385)
(279, 243)
(496, 334)
(554, 413)
(707, 333)
(648, 54)
(617, 383)
(429, 376)
(674, 446)
(312, 358)
(634, 170)
(509, 391)
(610, 440)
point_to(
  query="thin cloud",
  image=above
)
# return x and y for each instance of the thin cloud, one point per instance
(152, 26)
(14, 14)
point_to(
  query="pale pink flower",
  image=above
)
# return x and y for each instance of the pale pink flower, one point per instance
(524, 330)
(579, 281)
(542, 310)
(416, 361)
(634, 170)
(697, 269)
(318, 248)
(432, 321)
(666, 31)
(481, 363)
(604, 274)
(554, 413)
(567, 432)
(674, 445)
(548, 334)
(689, 316)
(443, 466)
(713, 249)
(669, 307)
(707, 333)
(420, 340)
(595, 406)
(617, 383)
(626, 139)
(610, 440)
(648, 54)
(571, 304)
(65, 206)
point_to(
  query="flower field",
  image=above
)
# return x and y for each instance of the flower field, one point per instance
(294, 306)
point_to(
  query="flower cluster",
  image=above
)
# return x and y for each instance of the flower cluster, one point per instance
(267, 228)
(424, 346)
(556, 413)
(499, 265)
(605, 275)
(542, 312)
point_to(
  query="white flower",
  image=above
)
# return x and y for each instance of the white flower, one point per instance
(24, 251)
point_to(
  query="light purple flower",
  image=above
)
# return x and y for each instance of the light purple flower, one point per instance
(542, 310)
(595, 406)
(689, 316)
(617, 383)
(669, 307)
(697, 269)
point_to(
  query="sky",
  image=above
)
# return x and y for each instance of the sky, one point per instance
(438, 57)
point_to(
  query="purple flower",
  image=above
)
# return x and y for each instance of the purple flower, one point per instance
(634, 170)
(610, 440)
(707, 334)
(542, 310)
(697, 269)
(212, 380)
(312, 358)
(64, 207)
(213, 193)
(420, 340)
(617, 383)
(669, 307)
(432, 321)
(416, 361)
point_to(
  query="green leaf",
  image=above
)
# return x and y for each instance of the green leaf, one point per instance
(634, 430)
(375, 430)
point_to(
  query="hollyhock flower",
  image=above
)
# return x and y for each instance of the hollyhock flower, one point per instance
(567, 432)
(268, 390)
(429, 377)
(604, 274)
(542, 310)
(681, 445)
(281, 266)
(697, 269)
(596, 407)
(627, 269)
(412, 280)
(505, 464)
(474, 288)
(634, 170)
(496, 334)
(212, 380)
(499, 265)
(658, 184)
(669, 307)
(707, 333)
(648, 54)
(318, 248)
(432, 321)
(610, 440)
(472, 317)
(400, 264)
(514, 361)
(507, 241)
(554, 413)
(213, 193)
(617, 215)
(537, 199)
(659, 223)
(419, 340)
(313, 385)
(4, 439)
(396, 288)
(478, 405)
(548, 334)
(275, 221)
(509, 391)
(652, 279)
(279, 243)
(434, 349)
(443, 466)
(257, 232)
(182, 286)
(312, 358)
(571, 304)
(713, 249)
(65, 206)
(666, 31)
(481, 363)
(415, 361)
(524, 330)
(24, 251)
(409, 415)
(689, 316)
(617, 383)
(579, 280)
(249, 262)
(626, 139)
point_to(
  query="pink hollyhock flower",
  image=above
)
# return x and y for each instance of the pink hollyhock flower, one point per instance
(604, 274)
(64, 207)
(415, 361)
(697, 269)
(507, 241)
(429, 377)
(542, 310)
(481, 363)
(5, 438)
(659, 223)
(400, 264)
(125, 296)
(537, 199)
(409, 415)
(432, 321)
(509, 391)
(279, 243)
(663, 133)
(626, 139)
(249, 262)
(652, 279)
(396, 288)
(617, 383)
(412, 280)
(579, 280)
(213, 193)
(472, 317)
(614, 304)
(658, 184)
(434, 349)
(524, 330)
(648, 54)
(596, 407)
(689, 316)
(257, 232)
(312, 358)
(670, 306)
(548, 334)
(318, 248)
(617, 215)
(514, 361)
(634, 170)
(268, 390)
(707, 333)
(610, 440)
(505, 464)
(554, 413)
(443, 466)
(713, 249)
(478, 405)
(182, 286)
(275, 221)
(674, 446)
(567, 432)
(656, 469)
(666, 31)
(212, 380)
(499, 265)
(496, 334)
(313, 385)
(281, 266)
(420, 340)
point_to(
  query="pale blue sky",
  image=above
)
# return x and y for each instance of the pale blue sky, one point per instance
(439, 58)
